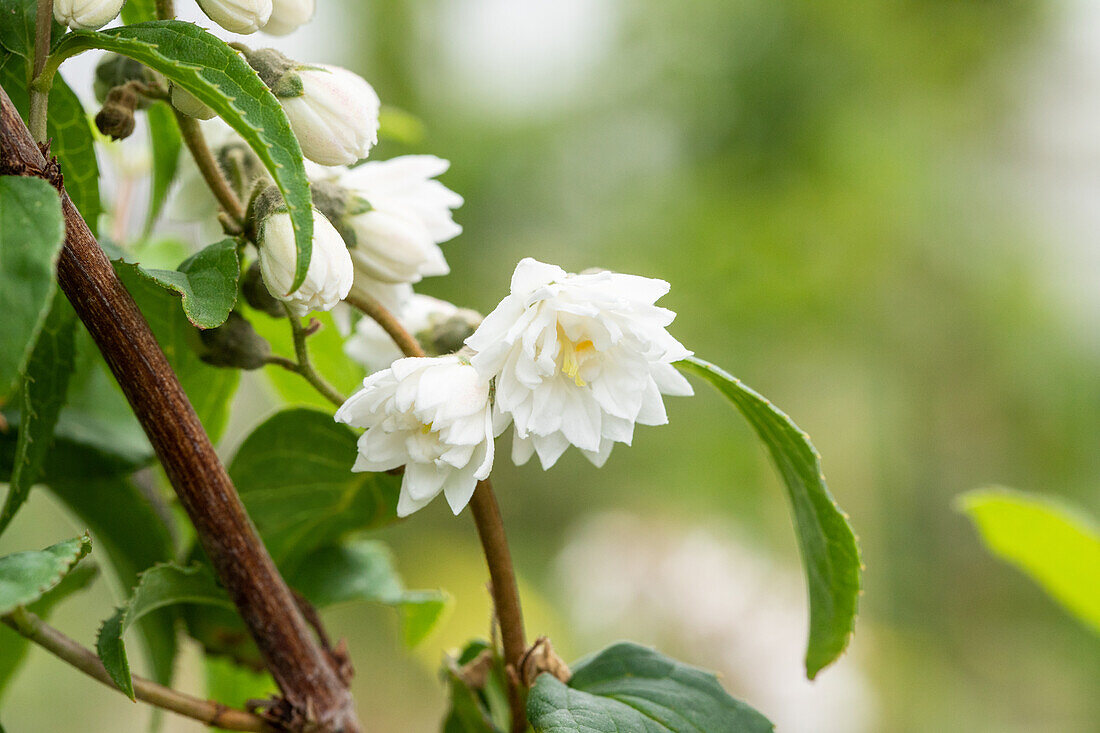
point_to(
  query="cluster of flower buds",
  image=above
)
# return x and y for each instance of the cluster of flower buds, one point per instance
(277, 17)
(565, 359)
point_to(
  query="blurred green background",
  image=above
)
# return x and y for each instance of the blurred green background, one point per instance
(881, 216)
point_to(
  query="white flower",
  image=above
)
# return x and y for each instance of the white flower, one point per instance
(86, 14)
(335, 117)
(238, 16)
(330, 273)
(397, 239)
(578, 359)
(190, 105)
(372, 347)
(432, 416)
(288, 15)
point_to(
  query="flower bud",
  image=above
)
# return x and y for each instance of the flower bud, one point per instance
(116, 118)
(234, 344)
(114, 70)
(188, 104)
(333, 112)
(288, 15)
(329, 276)
(86, 14)
(238, 16)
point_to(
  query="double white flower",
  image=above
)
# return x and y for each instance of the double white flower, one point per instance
(432, 416)
(329, 276)
(578, 360)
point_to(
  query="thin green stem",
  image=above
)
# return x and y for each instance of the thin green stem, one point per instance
(304, 366)
(40, 97)
(211, 172)
(211, 713)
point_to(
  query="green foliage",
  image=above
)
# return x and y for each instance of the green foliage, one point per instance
(41, 396)
(207, 281)
(13, 647)
(1056, 545)
(233, 685)
(630, 687)
(294, 475)
(27, 576)
(160, 586)
(165, 143)
(70, 135)
(216, 74)
(363, 570)
(479, 697)
(829, 552)
(31, 234)
(209, 389)
(139, 11)
(17, 28)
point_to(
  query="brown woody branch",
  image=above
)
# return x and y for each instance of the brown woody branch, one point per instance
(314, 694)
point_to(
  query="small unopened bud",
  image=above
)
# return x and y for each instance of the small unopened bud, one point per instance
(238, 16)
(86, 14)
(256, 295)
(114, 71)
(189, 104)
(234, 344)
(288, 15)
(116, 119)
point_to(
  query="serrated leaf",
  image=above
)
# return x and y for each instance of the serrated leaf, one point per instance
(165, 143)
(215, 74)
(13, 647)
(630, 687)
(209, 389)
(160, 586)
(294, 475)
(31, 234)
(363, 570)
(207, 281)
(1056, 545)
(27, 576)
(830, 555)
(41, 396)
(70, 133)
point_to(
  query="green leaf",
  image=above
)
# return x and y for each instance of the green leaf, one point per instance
(13, 647)
(217, 75)
(164, 139)
(830, 555)
(210, 389)
(17, 21)
(630, 687)
(363, 570)
(71, 140)
(31, 233)
(481, 710)
(27, 576)
(1056, 545)
(160, 586)
(207, 281)
(41, 396)
(294, 475)
(234, 686)
(139, 11)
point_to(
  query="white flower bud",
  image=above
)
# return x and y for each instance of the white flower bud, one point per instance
(288, 15)
(330, 272)
(432, 416)
(578, 359)
(409, 214)
(86, 14)
(190, 105)
(336, 115)
(238, 16)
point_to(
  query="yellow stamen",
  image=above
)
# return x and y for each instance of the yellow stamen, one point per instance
(569, 364)
(425, 429)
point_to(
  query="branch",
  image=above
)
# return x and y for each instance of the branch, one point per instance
(490, 530)
(308, 678)
(211, 713)
(211, 172)
(304, 366)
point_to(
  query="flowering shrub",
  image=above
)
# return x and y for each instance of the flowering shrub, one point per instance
(307, 227)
